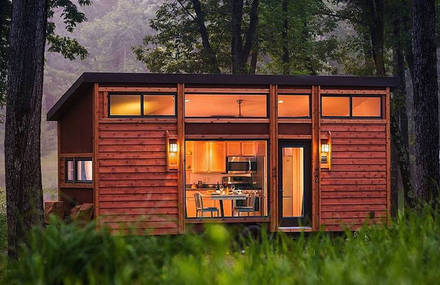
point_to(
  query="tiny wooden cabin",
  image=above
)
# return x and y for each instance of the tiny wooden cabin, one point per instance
(161, 151)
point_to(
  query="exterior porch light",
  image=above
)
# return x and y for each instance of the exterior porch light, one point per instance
(173, 146)
(172, 152)
(325, 152)
(325, 148)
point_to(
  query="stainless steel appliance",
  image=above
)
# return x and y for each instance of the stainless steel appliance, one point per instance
(239, 182)
(241, 164)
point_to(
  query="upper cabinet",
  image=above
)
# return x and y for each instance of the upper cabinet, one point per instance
(209, 157)
(234, 148)
(241, 148)
(248, 149)
(217, 161)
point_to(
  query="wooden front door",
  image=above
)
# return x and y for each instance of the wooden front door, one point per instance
(295, 195)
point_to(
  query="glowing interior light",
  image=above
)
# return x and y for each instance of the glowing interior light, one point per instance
(280, 101)
(187, 100)
(173, 147)
(325, 148)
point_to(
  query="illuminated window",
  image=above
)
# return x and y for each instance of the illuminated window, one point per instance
(335, 106)
(159, 105)
(125, 105)
(293, 105)
(138, 105)
(225, 105)
(366, 107)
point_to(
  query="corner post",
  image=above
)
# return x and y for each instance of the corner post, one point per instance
(96, 115)
(273, 169)
(316, 173)
(181, 168)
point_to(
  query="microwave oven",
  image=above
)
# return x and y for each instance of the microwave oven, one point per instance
(241, 164)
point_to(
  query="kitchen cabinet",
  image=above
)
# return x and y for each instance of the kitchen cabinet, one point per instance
(200, 157)
(234, 148)
(209, 157)
(248, 149)
(217, 161)
(241, 148)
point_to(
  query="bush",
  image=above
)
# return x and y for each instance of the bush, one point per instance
(407, 252)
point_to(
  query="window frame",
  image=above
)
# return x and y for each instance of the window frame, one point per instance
(230, 117)
(351, 96)
(141, 95)
(295, 117)
(75, 180)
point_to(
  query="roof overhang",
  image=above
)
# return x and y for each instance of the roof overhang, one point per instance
(86, 80)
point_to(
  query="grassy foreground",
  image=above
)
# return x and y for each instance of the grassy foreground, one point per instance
(407, 252)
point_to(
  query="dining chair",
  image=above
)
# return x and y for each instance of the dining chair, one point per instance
(247, 208)
(198, 199)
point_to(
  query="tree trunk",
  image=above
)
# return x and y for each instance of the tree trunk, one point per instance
(425, 99)
(236, 44)
(399, 117)
(376, 11)
(209, 52)
(254, 56)
(285, 38)
(239, 52)
(23, 118)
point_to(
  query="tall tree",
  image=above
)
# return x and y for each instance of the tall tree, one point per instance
(209, 52)
(240, 48)
(425, 99)
(5, 11)
(23, 117)
(28, 32)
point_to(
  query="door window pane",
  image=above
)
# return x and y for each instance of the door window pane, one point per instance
(366, 106)
(293, 106)
(159, 105)
(335, 106)
(125, 105)
(225, 105)
(84, 170)
(293, 181)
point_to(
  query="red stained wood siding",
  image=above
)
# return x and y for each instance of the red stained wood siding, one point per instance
(354, 191)
(135, 189)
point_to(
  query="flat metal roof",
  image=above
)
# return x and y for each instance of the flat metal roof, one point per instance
(87, 79)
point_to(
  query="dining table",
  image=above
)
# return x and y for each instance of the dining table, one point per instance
(222, 197)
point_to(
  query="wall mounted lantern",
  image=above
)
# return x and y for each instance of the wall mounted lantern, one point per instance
(325, 152)
(172, 152)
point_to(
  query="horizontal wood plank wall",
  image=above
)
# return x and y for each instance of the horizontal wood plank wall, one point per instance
(355, 189)
(135, 188)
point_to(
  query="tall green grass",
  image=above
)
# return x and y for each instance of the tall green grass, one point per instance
(406, 252)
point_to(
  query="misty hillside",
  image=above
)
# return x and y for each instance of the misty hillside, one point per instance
(113, 28)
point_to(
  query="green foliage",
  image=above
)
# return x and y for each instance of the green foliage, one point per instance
(310, 42)
(68, 47)
(175, 45)
(406, 252)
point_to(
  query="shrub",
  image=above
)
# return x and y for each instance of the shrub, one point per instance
(407, 251)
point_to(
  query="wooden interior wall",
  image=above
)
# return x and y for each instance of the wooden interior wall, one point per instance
(355, 189)
(134, 187)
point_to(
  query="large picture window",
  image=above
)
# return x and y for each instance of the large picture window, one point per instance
(226, 105)
(294, 106)
(141, 105)
(351, 106)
